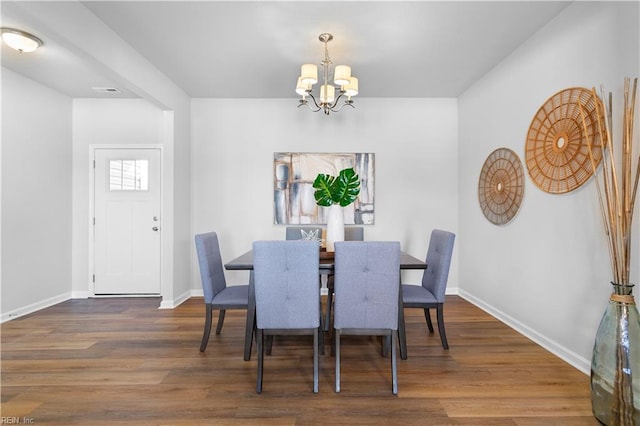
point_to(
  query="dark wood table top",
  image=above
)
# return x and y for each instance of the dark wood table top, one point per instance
(244, 262)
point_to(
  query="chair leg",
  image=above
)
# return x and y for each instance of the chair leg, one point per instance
(250, 326)
(327, 318)
(402, 330)
(321, 337)
(333, 333)
(260, 342)
(385, 342)
(443, 334)
(316, 368)
(207, 327)
(394, 363)
(427, 316)
(337, 344)
(220, 321)
(269, 344)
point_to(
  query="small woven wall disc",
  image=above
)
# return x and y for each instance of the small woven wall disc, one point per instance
(557, 152)
(501, 186)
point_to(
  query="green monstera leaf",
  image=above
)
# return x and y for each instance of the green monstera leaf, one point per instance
(342, 190)
(323, 194)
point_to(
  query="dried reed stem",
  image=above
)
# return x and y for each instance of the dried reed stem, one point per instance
(618, 193)
(603, 211)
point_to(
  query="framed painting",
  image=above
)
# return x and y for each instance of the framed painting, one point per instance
(293, 176)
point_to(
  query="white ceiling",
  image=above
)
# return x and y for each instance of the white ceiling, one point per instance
(242, 49)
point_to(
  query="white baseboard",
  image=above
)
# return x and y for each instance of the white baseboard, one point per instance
(554, 347)
(29, 309)
(171, 304)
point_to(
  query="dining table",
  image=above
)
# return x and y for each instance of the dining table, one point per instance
(244, 262)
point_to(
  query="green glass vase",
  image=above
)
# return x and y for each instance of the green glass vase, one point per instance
(615, 365)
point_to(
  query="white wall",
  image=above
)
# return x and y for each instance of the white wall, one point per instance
(414, 140)
(178, 128)
(75, 28)
(547, 272)
(36, 196)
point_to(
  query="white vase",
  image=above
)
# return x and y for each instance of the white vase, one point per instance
(335, 226)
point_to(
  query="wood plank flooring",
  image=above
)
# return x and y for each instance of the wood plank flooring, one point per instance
(124, 361)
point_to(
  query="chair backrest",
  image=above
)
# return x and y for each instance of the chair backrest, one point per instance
(299, 232)
(367, 280)
(354, 233)
(210, 262)
(285, 275)
(438, 263)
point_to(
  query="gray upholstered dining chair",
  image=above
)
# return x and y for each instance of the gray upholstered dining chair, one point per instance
(287, 294)
(431, 294)
(303, 232)
(353, 233)
(367, 284)
(214, 285)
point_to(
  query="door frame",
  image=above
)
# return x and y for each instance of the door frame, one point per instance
(92, 181)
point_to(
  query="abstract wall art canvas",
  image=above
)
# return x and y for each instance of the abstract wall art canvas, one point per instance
(293, 176)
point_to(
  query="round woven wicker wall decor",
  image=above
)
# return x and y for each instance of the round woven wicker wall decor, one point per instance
(501, 186)
(557, 152)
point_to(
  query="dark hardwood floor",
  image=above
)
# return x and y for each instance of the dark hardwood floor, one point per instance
(124, 361)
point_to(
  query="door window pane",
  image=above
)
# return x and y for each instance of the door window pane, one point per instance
(128, 175)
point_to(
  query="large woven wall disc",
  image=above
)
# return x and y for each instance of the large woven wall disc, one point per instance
(501, 186)
(557, 153)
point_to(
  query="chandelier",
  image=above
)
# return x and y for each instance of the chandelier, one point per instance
(327, 101)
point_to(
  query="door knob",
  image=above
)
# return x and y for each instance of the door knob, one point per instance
(155, 228)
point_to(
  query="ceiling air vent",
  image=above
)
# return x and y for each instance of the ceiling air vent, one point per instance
(106, 89)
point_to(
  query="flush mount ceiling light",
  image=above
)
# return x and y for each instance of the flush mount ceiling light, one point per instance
(20, 40)
(347, 84)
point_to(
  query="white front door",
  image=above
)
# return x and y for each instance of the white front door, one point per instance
(127, 225)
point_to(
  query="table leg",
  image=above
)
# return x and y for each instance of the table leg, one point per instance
(251, 319)
(402, 335)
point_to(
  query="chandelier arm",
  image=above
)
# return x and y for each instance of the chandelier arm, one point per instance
(303, 103)
(314, 110)
(343, 105)
(314, 101)
(309, 106)
(335, 103)
(341, 95)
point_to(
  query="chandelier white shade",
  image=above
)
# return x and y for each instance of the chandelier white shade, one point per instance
(309, 74)
(20, 40)
(326, 101)
(342, 75)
